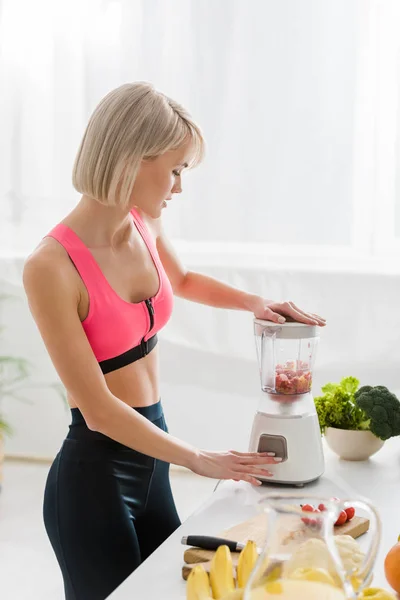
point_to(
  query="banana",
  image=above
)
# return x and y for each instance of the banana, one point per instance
(221, 573)
(198, 584)
(247, 560)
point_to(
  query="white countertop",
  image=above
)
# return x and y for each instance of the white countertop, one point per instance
(378, 480)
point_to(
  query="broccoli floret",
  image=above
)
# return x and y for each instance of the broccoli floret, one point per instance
(364, 388)
(382, 410)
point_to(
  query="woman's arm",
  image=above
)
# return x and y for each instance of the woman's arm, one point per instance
(208, 290)
(198, 287)
(54, 299)
(53, 302)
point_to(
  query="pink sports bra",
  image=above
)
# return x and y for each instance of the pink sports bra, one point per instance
(119, 332)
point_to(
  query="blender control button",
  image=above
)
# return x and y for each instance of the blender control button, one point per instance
(274, 444)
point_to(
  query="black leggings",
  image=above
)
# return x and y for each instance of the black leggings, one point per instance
(106, 508)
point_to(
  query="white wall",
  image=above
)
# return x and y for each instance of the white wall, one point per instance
(208, 371)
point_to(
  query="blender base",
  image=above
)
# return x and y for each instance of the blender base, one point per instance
(296, 440)
(273, 482)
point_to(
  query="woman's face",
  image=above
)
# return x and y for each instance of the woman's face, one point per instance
(158, 179)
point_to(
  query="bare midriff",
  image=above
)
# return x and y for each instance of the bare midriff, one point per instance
(136, 384)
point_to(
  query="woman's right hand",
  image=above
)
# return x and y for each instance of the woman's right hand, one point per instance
(239, 466)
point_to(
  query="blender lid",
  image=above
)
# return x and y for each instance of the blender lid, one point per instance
(289, 330)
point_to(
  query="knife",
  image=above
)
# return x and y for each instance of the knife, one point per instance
(207, 542)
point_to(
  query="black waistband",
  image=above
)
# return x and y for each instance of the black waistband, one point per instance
(130, 356)
(78, 429)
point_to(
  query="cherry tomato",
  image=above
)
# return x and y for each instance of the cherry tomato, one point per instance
(322, 507)
(307, 520)
(315, 522)
(350, 512)
(342, 518)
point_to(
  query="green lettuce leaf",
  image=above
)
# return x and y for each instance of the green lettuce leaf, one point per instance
(337, 407)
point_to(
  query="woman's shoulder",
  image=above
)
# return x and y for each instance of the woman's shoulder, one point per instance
(49, 254)
(48, 265)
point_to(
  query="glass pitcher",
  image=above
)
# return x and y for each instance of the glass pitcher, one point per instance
(302, 558)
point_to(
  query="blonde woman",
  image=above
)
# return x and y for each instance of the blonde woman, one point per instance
(100, 286)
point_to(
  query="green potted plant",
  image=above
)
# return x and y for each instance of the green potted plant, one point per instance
(355, 420)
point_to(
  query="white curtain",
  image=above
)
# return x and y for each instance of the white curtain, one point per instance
(298, 101)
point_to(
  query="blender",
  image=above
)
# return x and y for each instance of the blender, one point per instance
(286, 421)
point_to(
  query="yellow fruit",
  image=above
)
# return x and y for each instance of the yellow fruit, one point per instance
(247, 560)
(272, 575)
(297, 590)
(300, 590)
(356, 582)
(221, 573)
(198, 584)
(274, 587)
(376, 594)
(312, 574)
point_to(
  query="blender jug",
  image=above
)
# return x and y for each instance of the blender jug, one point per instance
(286, 355)
(302, 557)
(286, 422)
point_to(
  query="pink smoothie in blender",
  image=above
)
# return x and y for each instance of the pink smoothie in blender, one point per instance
(293, 377)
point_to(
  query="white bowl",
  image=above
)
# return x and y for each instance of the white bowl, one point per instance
(352, 445)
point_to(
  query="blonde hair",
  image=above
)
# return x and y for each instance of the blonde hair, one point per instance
(132, 123)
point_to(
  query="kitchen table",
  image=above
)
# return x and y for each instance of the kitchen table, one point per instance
(378, 479)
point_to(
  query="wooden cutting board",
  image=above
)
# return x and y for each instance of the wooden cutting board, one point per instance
(256, 529)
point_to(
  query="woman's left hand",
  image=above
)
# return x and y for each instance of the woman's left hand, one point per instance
(280, 312)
